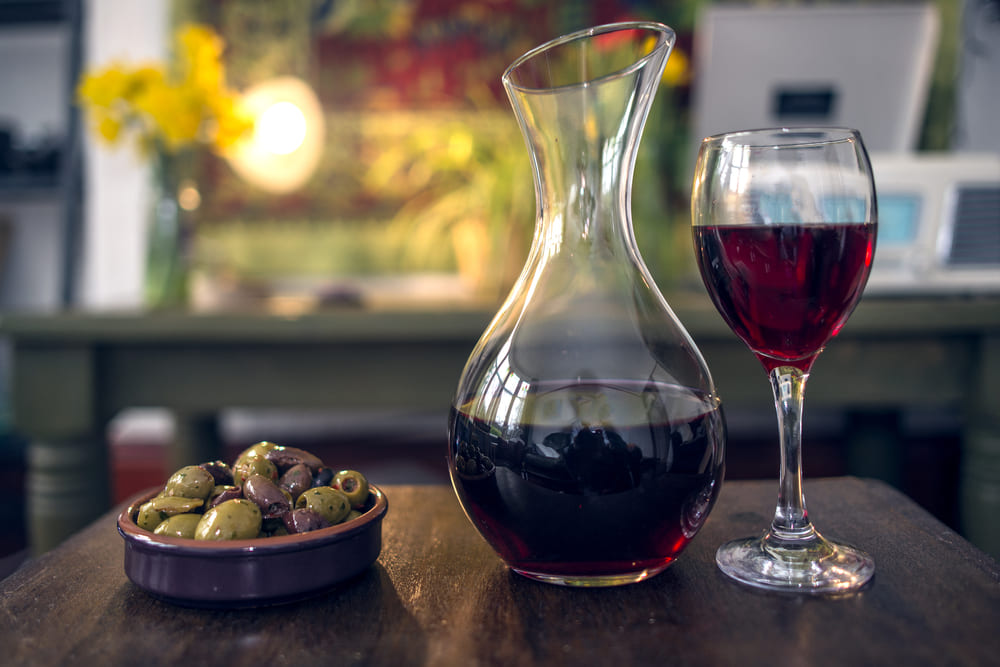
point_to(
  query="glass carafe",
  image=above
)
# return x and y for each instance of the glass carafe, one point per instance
(586, 437)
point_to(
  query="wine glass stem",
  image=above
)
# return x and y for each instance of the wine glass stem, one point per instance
(791, 520)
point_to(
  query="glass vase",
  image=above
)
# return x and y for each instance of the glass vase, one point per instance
(586, 437)
(168, 254)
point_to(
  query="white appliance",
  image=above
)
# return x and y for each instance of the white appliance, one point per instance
(939, 223)
(856, 65)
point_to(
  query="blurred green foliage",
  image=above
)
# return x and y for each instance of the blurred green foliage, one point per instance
(426, 171)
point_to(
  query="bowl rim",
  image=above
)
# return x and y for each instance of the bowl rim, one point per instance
(131, 532)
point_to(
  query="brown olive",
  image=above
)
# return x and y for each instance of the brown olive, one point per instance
(296, 479)
(223, 493)
(303, 520)
(322, 477)
(286, 457)
(220, 471)
(271, 500)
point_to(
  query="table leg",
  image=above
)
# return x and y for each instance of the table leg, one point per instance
(54, 392)
(979, 483)
(875, 446)
(67, 487)
(197, 439)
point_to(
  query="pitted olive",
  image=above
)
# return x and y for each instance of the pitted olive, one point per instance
(180, 525)
(190, 482)
(330, 503)
(353, 484)
(237, 519)
(272, 501)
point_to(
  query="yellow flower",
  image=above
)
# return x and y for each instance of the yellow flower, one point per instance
(109, 128)
(678, 69)
(232, 122)
(200, 59)
(168, 109)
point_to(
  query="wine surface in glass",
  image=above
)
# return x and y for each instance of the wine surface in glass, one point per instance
(785, 289)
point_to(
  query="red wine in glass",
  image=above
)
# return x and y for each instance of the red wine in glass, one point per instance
(785, 289)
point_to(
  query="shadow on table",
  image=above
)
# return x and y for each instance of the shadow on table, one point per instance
(360, 622)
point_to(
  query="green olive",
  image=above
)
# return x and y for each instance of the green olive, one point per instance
(190, 482)
(257, 451)
(160, 508)
(171, 505)
(353, 484)
(253, 465)
(236, 519)
(181, 525)
(149, 517)
(326, 501)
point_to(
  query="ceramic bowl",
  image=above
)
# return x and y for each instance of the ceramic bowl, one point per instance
(248, 573)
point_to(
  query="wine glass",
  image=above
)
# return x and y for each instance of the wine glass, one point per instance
(784, 232)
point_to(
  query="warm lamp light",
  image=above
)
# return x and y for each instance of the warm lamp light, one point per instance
(281, 129)
(288, 137)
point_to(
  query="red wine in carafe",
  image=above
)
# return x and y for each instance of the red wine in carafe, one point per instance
(590, 478)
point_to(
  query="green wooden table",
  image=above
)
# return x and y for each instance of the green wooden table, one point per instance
(73, 372)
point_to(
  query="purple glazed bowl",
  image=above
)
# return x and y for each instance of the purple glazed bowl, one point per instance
(250, 573)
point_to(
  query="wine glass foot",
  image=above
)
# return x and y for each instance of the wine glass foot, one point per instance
(813, 565)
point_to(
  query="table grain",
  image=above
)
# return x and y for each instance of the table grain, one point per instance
(439, 596)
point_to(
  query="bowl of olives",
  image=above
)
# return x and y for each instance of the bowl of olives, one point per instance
(275, 526)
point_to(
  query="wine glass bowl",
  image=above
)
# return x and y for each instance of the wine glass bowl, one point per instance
(784, 234)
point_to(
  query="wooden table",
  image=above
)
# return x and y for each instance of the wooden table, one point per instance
(73, 372)
(439, 596)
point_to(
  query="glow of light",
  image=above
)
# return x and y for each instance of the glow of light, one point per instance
(281, 128)
(188, 196)
(289, 136)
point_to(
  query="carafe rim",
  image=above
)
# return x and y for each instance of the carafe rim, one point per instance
(668, 35)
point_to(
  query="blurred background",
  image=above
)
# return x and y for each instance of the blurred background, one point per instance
(383, 168)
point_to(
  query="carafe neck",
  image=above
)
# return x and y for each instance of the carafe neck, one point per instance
(583, 140)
